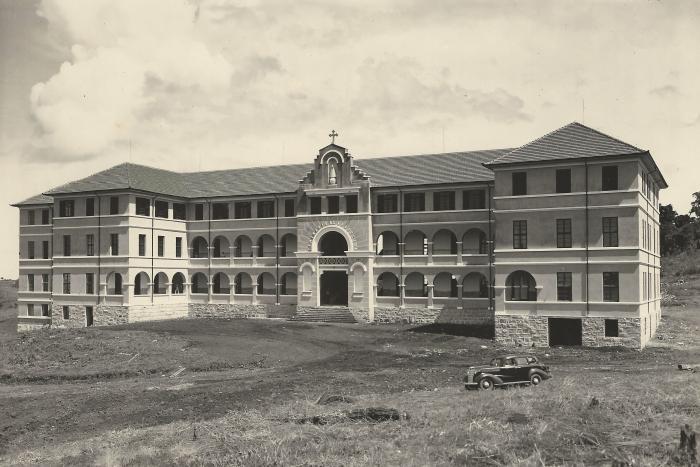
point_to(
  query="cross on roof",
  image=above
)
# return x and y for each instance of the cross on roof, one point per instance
(333, 135)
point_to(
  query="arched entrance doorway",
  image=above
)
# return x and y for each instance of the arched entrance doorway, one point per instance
(334, 283)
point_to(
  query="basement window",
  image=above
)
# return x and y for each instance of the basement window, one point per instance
(612, 328)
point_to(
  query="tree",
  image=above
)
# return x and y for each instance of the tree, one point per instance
(695, 205)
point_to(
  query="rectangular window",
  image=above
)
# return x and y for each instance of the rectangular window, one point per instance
(45, 283)
(443, 201)
(30, 282)
(66, 208)
(30, 250)
(44, 309)
(219, 211)
(609, 178)
(30, 309)
(142, 245)
(242, 210)
(30, 217)
(563, 180)
(611, 287)
(178, 247)
(89, 283)
(179, 211)
(66, 245)
(66, 282)
(644, 286)
(90, 207)
(564, 287)
(66, 312)
(266, 209)
(610, 231)
(114, 244)
(315, 205)
(333, 204)
(161, 209)
(45, 249)
(351, 203)
(519, 235)
(612, 328)
(198, 212)
(289, 208)
(45, 216)
(88, 316)
(387, 203)
(90, 245)
(143, 207)
(563, 233)
(114, 205)
(414, 202)
(519, 180)
(161, 245)
(474, 199)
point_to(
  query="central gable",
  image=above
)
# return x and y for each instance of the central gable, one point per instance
(333, 168)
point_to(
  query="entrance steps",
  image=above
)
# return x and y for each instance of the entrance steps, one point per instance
(324, 314)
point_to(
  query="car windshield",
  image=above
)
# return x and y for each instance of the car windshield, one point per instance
(496, 362)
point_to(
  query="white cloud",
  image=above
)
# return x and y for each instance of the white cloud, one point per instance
(96, 99)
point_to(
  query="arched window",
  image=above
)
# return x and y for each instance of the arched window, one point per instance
(114, 284)
(288, 245)
(333, 244)
(199, 283)
(242, 284)
(178, 285)
(475, 242)
(445, 285)
(416, 243)
(520, 286)
(200, 248)
(388, 244)
(475, 285)
(141, 284)
(266, 284)
(243, 247)
(221, 247)
(220, 284)
(160, 284)
(288, 284)
(416, 285)
(387, 285)
(266, 246)
(444, 243)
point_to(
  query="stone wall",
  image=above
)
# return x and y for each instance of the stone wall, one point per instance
(102, 315)
(514, 331)
(240, 311)
(425, 315)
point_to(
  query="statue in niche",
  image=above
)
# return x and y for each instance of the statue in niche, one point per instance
(332, 175)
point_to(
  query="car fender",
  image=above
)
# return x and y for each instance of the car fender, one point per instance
(536, 371)
(496, 379)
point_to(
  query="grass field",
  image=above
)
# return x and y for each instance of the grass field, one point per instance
(106, 396)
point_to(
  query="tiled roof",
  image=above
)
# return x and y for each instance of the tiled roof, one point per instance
(427, 169)
(38, 199)
(573, 141)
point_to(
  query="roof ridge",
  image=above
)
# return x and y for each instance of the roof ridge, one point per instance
(531, 142)
(608, 136)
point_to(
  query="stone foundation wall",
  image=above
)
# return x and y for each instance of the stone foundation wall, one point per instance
(239, 311)
(515, 330)
(425, 315)
(361, 315)
(102, 315)
(529, 331)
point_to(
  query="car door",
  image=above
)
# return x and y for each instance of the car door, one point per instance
(509, 370)
(523, 369)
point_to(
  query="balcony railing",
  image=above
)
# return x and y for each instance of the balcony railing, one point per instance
(333, 260)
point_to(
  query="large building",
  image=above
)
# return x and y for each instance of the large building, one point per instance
(552, 243)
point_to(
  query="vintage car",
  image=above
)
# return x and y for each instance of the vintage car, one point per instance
(506, 371)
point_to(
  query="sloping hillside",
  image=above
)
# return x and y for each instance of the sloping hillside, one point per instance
(8, 309)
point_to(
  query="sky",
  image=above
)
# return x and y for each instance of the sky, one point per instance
(213, 84)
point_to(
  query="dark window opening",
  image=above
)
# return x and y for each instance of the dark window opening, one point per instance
(66, 312)
(44, 309)
(90, 245)
(114, 205)
(609, 178)
(219, 211)
(143, 207)
(142, 245)
(178, 247)
(564, 292)
(519, 183)
(565, 331)
(66, 245)
(90, 207)
(242, 210)
(114, 244)
(315, 205)
(89, 283)
(88, 316)
(30, 250)
(161, 209)
(351, 204)
(45, 216)
(66, 282)
(474, 199)
(443, 201)
(198, 212)
(612, 328)
(520, 286)
(564, 181)
(333, 244)
(161, 245)
(414, 202)
(179, 211)
(387, 203)
(67, 208)
(290, 208)
(266, 209)
(333, 204)
(563, 233)
(31, 217)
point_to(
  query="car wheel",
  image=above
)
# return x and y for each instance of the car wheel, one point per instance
(535, 379)
(486, 383)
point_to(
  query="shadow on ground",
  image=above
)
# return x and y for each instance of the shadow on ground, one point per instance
(483, 331)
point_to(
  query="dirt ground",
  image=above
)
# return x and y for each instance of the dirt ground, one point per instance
(56, 393)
